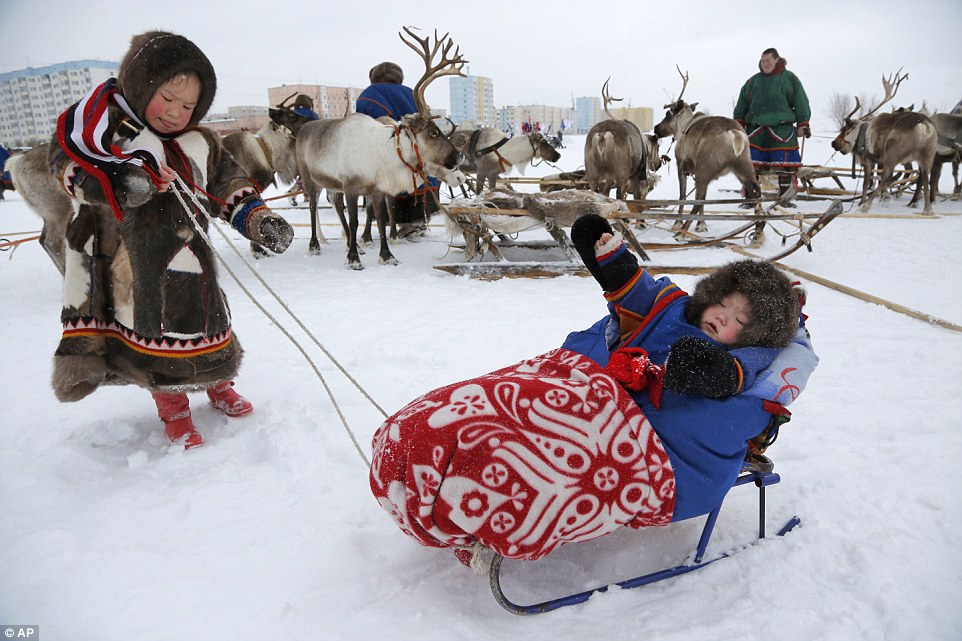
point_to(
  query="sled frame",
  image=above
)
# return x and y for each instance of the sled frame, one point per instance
(760, 479)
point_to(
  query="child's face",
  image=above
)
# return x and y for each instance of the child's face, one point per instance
(173, 104)
(724, 322)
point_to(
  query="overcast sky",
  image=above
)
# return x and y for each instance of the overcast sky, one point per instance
(536, 53)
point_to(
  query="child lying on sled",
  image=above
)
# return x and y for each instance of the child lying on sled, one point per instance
(640, 420)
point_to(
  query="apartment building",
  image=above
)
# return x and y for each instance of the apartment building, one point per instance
(31, 99)
(544, 118)
(329, 101)
(472, 101)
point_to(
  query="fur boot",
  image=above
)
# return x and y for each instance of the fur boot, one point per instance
(223, 397)
(174, 411)
(785, 181)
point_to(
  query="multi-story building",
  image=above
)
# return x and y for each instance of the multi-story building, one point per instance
(542, 117)
(589, 113)
(641, 116)
(244, 118)
(31, 99)
(329, 101)
(472, 101)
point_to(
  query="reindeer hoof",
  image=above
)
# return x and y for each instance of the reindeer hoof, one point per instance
(390, 260)
(314, 250)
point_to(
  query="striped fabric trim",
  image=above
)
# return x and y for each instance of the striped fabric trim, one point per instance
(82, 133)
(163, 347)
(664, 298)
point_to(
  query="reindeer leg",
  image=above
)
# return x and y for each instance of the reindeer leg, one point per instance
(314, 246)
(934, 177)
(353, 260)
(380, 211)
(924, 184)
(389, 205)
(370, 215)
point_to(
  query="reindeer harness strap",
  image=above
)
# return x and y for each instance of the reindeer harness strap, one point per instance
(415, 171)
(266, 150)
(473, 145)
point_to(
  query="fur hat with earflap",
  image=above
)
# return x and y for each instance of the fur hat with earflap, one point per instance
(154, 58)
(774, 301)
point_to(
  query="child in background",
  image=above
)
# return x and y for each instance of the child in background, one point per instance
(641, 420)
(142, 304)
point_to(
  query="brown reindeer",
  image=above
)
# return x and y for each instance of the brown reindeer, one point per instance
(949, 149)
(619, 156)
(889, 140)
(262, 154)
(359, 156)
(31, 176)
(707, 148)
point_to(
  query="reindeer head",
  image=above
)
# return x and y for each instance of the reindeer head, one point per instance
(440, 155)
(286, 119)
(543, 148)
(847, 138)
(678, 114)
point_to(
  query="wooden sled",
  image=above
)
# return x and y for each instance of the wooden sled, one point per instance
(760, 479)
(619, 213)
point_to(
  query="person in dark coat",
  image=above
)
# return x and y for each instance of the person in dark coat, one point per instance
(388, 96)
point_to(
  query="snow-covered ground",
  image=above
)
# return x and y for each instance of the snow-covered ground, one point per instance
(270, 530)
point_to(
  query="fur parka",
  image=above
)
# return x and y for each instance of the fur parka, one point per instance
(142, 304)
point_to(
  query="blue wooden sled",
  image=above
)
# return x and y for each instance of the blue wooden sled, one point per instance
(761, 479)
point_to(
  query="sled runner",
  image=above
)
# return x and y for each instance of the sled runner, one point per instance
(761, 479)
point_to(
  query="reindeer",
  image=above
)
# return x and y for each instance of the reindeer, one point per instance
(359, 156)
(949, 149)
(260, 155)
(619, 156)
(889, 140)
(492, 161)
(707, 147)
(30, 172)
(268, 152)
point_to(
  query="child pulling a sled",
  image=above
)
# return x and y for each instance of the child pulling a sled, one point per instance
(640, 420)
(142, 304)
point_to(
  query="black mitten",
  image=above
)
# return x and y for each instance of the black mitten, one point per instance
(584, 234)
(699, 368)
(617, 265)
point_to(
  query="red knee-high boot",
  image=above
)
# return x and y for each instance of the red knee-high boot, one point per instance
(174, 411)
(223, 397)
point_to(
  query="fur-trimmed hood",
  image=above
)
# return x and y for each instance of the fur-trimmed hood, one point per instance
(780, 65)
(154, 58)
(775, 305)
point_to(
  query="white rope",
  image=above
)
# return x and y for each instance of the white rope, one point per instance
(177, 192)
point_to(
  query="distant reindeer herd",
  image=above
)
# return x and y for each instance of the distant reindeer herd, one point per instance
(356, 157)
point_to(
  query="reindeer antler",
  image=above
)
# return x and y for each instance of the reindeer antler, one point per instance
(890, 89)
(283, 104)
(857, 107)
(684, 85)
(606, 97)
(447, 66)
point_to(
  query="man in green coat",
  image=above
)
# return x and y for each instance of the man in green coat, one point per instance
(773, 109)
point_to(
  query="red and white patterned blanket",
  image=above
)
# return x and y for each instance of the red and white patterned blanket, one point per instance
(547, 451)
